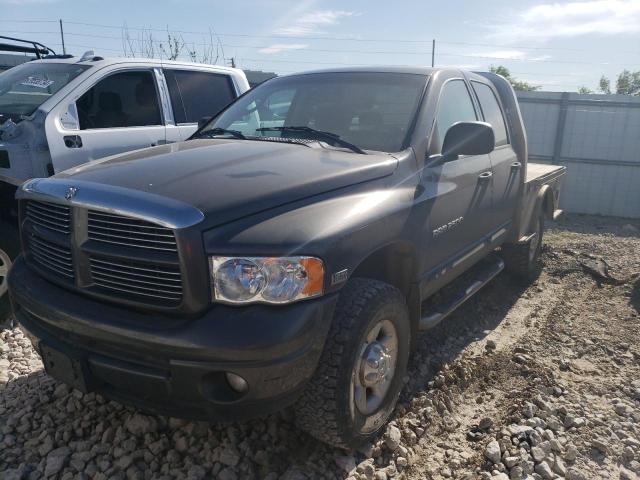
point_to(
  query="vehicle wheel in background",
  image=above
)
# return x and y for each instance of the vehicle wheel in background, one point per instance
(360, 374)
(5, 309)
(9, 249)
(523, 259)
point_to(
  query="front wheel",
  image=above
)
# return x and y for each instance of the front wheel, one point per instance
(360, 373)
(5, 265)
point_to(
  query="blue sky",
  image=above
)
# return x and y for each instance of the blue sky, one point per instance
(558, 45)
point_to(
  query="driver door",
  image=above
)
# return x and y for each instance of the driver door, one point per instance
(459, 190)
(119, 113)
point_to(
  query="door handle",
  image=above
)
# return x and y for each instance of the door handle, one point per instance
(73, 141)
(516, 165)
(485, 176)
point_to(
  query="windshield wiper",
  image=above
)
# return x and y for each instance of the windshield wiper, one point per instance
(219, 131)
(319, 134)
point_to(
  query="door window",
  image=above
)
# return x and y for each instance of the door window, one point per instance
(195, 95)
(127, 99)
(492, 112)
(455, 105)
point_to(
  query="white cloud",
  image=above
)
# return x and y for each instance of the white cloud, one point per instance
(313, 22)
(501, 54)
(549, 20)
(283, 47)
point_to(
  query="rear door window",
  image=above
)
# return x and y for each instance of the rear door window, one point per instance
(492, 112)
(454, 106)
(126, 99)
(195, 95)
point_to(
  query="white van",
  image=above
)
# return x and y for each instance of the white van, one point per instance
(59, 113)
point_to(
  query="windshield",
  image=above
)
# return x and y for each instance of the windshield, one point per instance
(25, 87)
(371, 111)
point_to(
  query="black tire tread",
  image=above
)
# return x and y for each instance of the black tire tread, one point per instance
(516, 257)
(317, 408)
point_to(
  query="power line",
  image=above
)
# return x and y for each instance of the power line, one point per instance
(303, 37)
(425, 53)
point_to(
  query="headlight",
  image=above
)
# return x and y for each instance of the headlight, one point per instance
(266, 279)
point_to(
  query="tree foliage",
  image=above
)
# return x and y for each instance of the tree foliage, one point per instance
(584, 90)
(604, 85)
(627, 83)
(516, 84)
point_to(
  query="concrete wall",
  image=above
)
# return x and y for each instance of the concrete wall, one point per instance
(597, 137)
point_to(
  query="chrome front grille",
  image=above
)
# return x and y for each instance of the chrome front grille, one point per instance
(130, 232)
(126, 278)
(50, 216)
(125, 258)
(50, 256)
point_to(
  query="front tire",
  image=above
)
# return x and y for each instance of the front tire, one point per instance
(360, 374)
(5, 308)
(9, 249)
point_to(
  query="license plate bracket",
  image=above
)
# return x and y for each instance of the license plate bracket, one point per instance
(66, 368)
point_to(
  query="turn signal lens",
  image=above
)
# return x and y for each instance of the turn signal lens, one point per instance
(266, 279)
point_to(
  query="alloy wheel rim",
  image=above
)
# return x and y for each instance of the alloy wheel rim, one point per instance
(375, 367)
(5, 264)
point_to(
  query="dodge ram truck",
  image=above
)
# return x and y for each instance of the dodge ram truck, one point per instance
(289, 253)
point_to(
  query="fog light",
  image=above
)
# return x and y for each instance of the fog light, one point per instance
(236, 382)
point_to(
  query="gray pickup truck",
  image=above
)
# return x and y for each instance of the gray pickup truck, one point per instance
(289, 252)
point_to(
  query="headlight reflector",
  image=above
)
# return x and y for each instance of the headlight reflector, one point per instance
(266, 279)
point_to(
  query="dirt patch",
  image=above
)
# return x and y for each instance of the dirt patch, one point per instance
(536, 380)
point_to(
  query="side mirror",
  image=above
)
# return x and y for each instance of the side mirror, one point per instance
(468, 138)
(203, 121)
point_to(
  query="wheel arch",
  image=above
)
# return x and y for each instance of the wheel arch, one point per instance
(396, 264)
(546, 202)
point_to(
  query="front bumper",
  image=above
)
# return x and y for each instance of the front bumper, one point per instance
(176, 366)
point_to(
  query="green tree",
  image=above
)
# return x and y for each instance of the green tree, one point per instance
(516, 84)
(584, 90)
(627, 83)
(604, 85)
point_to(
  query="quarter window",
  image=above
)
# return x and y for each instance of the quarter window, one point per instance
(455, 105)
(195, 95)
(492, 112)
(126, 99)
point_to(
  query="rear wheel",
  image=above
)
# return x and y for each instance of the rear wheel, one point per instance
(523, 259)
(360, 373)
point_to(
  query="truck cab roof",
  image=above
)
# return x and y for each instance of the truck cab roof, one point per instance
(99, 61)
(426, 71)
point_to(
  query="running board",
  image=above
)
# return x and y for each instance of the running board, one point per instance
(478, 276)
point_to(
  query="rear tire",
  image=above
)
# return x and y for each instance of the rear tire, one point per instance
(523, 259)
(356, 385)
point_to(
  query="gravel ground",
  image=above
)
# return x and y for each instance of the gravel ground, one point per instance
(536, 381)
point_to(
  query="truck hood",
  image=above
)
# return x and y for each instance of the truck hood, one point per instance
(229, 179)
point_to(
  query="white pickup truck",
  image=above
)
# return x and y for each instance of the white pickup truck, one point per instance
(58, 113)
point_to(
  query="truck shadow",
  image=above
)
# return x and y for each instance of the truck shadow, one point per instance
(470, 323)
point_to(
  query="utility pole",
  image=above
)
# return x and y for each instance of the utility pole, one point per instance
(433, 52)
(64, 50)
